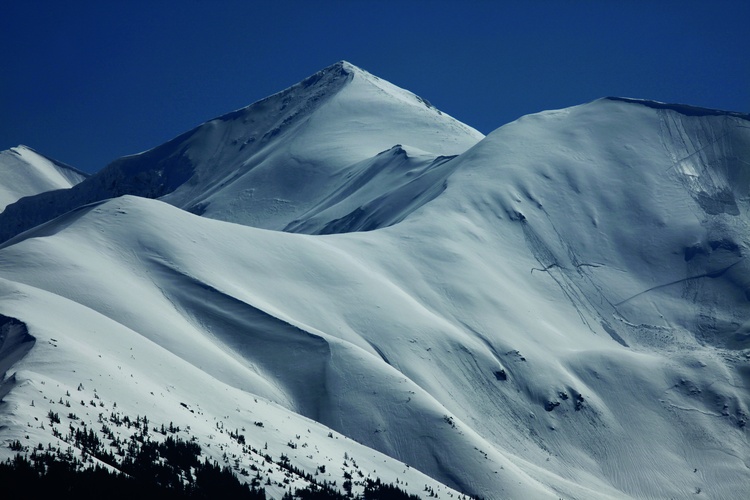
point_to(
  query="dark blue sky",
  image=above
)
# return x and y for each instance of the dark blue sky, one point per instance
(87, 82)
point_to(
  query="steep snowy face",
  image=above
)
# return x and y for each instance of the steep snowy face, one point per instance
(321, 129)
(270, 163)
(377, 192)
(643, 200)
(24, 172)
(608, 246)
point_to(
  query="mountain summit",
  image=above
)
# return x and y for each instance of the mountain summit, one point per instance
(559, 309)
(268, 164)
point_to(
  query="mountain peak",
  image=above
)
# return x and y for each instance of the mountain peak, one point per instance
(345, 67)
(341, 70)
(267, 164)
(25, 172)
(555, 306)
(25, 152)
(20, 148)
(28, 152)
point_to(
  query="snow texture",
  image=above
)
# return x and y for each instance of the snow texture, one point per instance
(559, 309)
(272, 163)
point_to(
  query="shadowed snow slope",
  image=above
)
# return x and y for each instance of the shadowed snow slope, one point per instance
(24, 172)
(235, 305)
(269, 164)
(560, 311)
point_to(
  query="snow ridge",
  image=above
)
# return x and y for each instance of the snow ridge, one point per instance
(24, 172)
(682, 108)
(269, 163)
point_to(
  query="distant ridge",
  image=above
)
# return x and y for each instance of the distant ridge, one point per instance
(64, 166)
(272, 162)
(681, 108)
(25, 172)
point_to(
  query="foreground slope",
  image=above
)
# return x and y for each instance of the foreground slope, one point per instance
(185, 307)
(280, 160)
(24, 172)
(561, 312)
(89, 375)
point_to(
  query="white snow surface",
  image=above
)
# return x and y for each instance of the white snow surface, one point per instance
(276, 162)
(559, 311)
(24, 172)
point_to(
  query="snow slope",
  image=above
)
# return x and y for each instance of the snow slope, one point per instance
(92, 371)
(269, 164)
(610, 242)
(24, 172)
(559, 311)
(154, 290)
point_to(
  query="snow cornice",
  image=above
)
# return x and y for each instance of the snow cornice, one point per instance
(684, 109)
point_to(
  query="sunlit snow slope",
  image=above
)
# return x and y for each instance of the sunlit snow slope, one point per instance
(559, 311)
(24, 172)
(285, 159)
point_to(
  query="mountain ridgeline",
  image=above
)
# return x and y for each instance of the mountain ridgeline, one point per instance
(282, 160)
(380, 293)
(24, 172)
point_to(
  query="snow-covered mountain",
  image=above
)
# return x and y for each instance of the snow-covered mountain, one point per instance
(24, 172)
(560, 310)
(300, 158)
